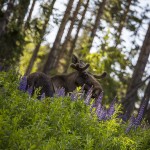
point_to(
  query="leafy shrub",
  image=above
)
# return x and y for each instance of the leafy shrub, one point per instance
(59, 123)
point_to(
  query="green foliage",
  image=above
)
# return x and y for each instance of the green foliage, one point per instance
(113, 62)
(58, 123)
(11, 46)
(20, 12)
(110, 59)
(27, 53)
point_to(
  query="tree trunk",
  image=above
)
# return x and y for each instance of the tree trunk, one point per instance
(73, 44)
(53, 55)
(146, 97)
(122, 23)
(36, 50)
(22, 11)
(97, 22)
(1, 3)
(129, 102)
(29, 15)
(68, 36)
(145, 101)
(4, 20)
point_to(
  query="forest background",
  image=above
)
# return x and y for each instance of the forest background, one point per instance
(111, 35)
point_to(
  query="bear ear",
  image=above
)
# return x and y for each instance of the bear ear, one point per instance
(75, 59)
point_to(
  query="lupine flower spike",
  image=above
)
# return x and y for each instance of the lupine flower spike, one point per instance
(74, 96)
(132, 119)
(88, 96)
(135, 122)
(60, 92)
(111, 109)
(30, 90)
(98, 101)
(43, 96)
(23, 84)
(98, 110)
(101, 112)
(141, 113)
(1, 68)
(124, 117)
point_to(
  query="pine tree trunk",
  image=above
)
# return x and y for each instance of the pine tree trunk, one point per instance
(22, 11)
(146, 100)
(1, 3)
(33, 58)
(122, 23)
(73, 44)
(146, 97)
(4, 20)
(68, 36)
(53, 55)
(97, 22)
(36, 50)
(129, 102)
(30, 14)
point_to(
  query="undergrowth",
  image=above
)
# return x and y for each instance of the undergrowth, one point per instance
(59, 123)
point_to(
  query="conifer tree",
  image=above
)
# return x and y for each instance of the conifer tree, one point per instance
(139, 69)
(5, 17)
(48, 12)
(54, 52)
(74, 41)
(122, 22)
(30, 14)
(64, 47)
(97, 22)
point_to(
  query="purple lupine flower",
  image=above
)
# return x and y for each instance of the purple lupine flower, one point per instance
(1, 68)
(132, 120)
(88, 96)
(60, 92)
(111, 109)
(135, 122)
(101, 113)
(74, 96)
(82, 95)
(23, 84)
(97, 101)
(98, 109)
(123, 117)
(104, 114)
(140, 113)
(30, 91)
(42, 96)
